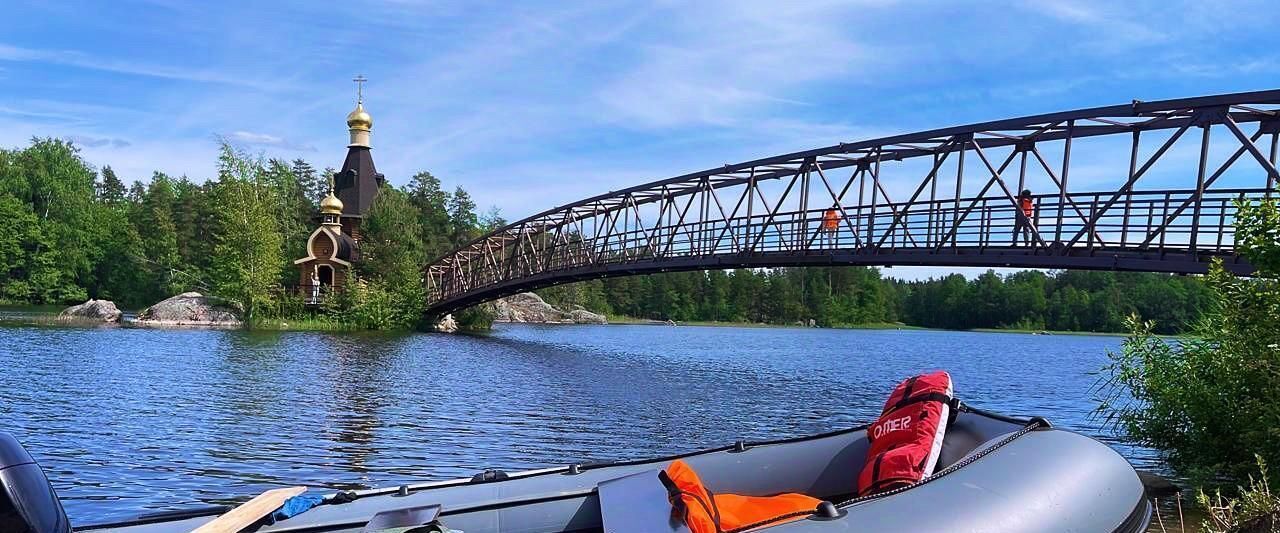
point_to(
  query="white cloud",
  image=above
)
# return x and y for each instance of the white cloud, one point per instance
(529, 107)
(1109, 26)
(264, 139)
(96, 142)
(35, 114)
(75, 58)
(720, 65)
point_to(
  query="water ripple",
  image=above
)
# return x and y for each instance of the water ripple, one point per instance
(130, 420)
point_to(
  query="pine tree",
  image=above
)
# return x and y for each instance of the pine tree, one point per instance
(391, 251)
(110, 189)
(191, 218)
(159, 236)
(392, 246)
(137, 192)
(293, 209)
(433, 206)
(464, 224)
(314, 185)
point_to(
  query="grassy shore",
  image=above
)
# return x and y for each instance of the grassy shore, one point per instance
(316, 323)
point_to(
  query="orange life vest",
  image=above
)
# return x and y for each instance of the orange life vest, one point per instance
(705, 512)
(1027, 207)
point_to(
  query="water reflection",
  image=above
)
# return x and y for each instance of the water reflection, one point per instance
(126, 420)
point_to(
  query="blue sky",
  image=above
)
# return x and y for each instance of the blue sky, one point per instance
(534, 104)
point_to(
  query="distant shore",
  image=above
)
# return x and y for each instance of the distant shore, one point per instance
(633, 321)
(46, 316)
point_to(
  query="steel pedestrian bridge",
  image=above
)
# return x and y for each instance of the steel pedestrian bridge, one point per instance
(1145, 186)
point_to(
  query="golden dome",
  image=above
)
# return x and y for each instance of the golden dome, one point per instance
(331, 205)
(358, 119)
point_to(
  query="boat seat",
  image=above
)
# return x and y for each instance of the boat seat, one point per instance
(637, 504)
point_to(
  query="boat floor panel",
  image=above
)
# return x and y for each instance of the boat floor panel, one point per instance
(638, 504)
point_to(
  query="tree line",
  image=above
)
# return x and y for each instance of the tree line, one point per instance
(852, 296)
(69, 232)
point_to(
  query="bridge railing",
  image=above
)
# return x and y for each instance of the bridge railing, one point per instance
(1168, 221)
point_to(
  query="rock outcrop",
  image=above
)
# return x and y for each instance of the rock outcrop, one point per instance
(582, 316)
(529, 308)
(525, 307)
(190, 309)
(92, 311)
(447, 325)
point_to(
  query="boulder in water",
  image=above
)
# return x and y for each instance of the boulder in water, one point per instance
(447, 324)
(530, 308)
(525, 307)
(582, 316)
(92, 310)
(190, 309)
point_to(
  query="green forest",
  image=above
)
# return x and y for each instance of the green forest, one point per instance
(69, 232)
(853, 296)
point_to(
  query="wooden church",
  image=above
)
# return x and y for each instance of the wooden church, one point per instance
(334, 247)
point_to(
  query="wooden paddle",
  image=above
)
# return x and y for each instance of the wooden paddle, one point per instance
(250, 512)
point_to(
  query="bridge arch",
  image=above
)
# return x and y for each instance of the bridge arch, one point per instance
(1145, 186)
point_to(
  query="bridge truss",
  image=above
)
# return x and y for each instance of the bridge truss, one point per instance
(1148, 186)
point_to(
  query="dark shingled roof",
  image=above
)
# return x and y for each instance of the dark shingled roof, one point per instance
(358, 181)
(348, 250)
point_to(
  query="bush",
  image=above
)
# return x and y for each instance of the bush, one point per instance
(1210, 400)
(475, 318)
(366, 304)
(1255, 510)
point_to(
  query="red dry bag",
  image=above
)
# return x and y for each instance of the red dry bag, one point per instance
(906, 439)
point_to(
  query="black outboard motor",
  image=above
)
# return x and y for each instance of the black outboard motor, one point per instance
(28, 503)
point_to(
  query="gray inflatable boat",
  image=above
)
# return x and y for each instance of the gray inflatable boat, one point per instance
(995, 473)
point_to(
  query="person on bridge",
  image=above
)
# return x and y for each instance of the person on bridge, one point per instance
(1026, 213)
(830, 224)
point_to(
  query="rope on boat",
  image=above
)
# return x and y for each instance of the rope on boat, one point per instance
(1032, 425)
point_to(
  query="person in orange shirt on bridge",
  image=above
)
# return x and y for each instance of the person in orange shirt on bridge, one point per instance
(1026, 213)
(830, 224)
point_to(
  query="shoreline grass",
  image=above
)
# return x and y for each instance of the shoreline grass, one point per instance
(315, 323)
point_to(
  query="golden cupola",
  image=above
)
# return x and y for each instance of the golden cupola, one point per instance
(331, 210)
(359, 123)
(330, 205)
(359, 119)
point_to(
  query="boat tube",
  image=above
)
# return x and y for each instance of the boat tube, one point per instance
(994, 473)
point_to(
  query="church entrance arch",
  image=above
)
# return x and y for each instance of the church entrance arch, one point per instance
(325, 273)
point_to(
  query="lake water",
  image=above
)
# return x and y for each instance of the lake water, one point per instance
(131, 420)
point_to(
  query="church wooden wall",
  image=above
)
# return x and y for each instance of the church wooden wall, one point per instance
(351, 226)
(305, 270)
(322, 246)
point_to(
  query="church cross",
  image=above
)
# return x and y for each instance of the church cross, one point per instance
(359, 79)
